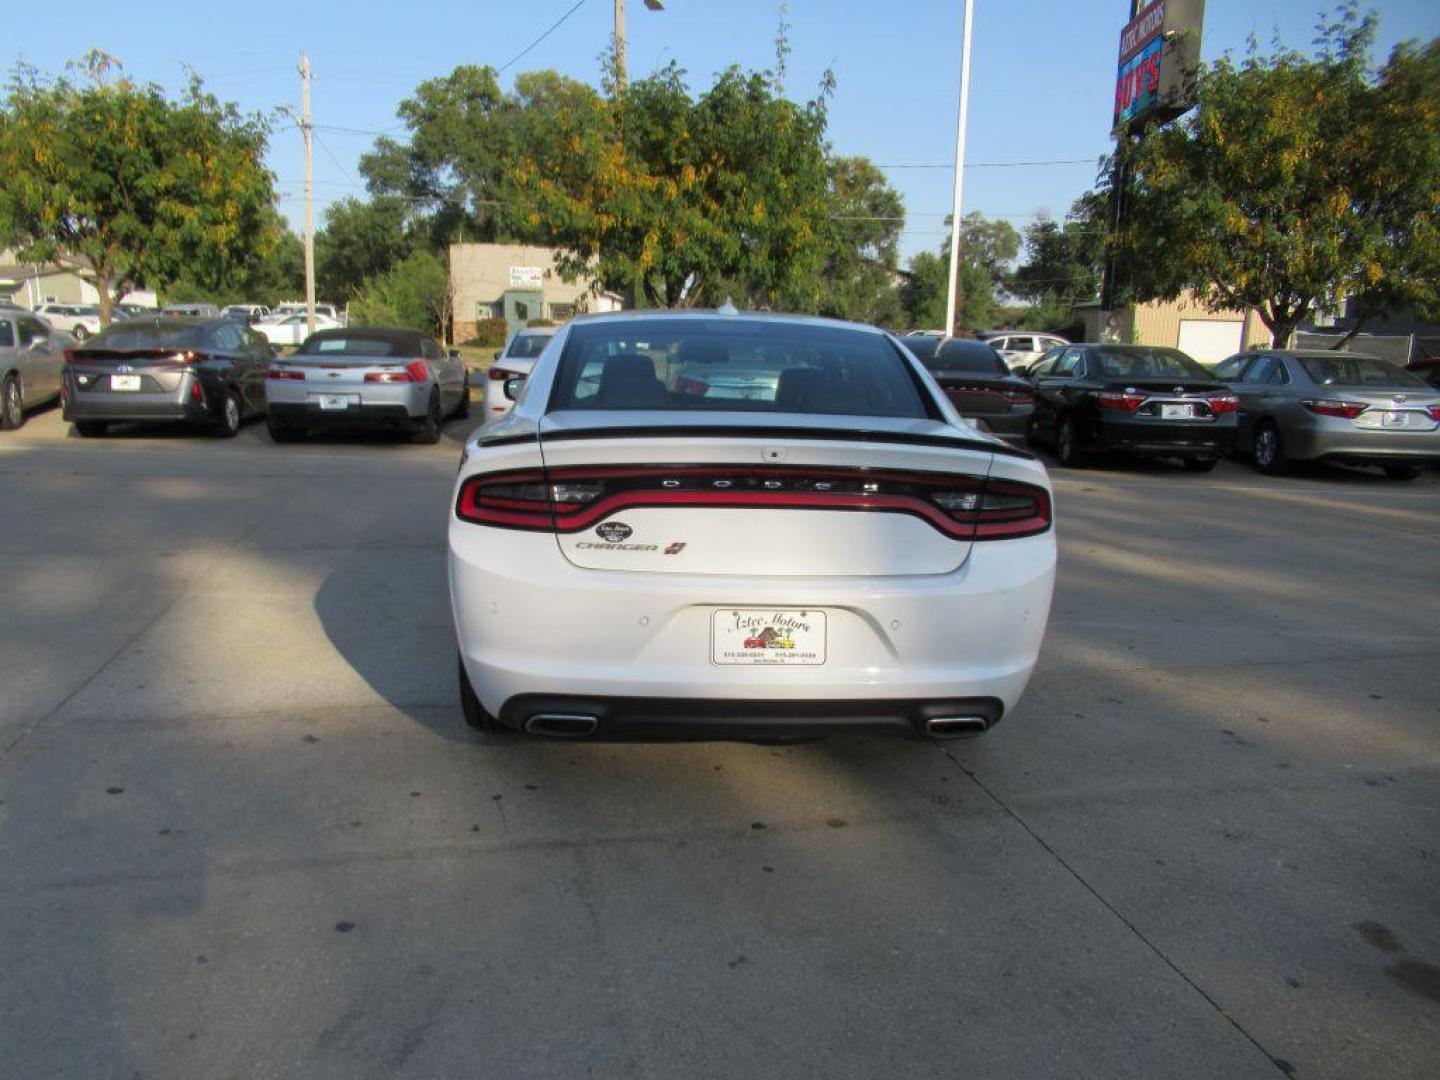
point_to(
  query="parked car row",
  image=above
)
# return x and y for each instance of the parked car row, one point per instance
(218, 372)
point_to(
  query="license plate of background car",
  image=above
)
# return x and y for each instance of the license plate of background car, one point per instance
(1395, 419)
(1177, 412)
(334, 402)
(767, 636)
(125, 382)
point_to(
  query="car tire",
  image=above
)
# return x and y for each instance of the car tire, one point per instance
(12, 404)
(427, 432)
(1401, 472)
(1201, 465)
(281, 432)
(475, 714)
(89, 429)
(1067, 444)
(1268, 451)
(462, 411)
(231, 415)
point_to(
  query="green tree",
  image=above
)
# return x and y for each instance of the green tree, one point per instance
(866, 217)
(1293, 182)
(986, 247)
(991, 244)
(128, 186)
(683, 200)
(415, 292)
(359, 241)
(1063, 262)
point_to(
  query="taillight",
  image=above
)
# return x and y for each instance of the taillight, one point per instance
(575, 499)
(1223, 403)
(691, 387)
(500, 374)
(197, 393)
(1018, 397)
(1435, 412)
(1128, 401)
(283, 374)
(1345, 410)
(69, 356)
(415, 371)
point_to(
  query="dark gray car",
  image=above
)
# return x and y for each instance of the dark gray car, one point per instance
(978, 383)
(1332, 406)
(168, 370)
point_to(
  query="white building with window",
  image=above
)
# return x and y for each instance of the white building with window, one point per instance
(517, 283)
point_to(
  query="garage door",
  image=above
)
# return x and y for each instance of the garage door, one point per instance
(1210, 341)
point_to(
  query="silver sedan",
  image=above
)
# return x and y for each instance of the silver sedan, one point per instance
(1332, 406)
(32, 356)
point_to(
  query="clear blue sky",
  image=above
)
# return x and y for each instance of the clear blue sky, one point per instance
(1041, 86)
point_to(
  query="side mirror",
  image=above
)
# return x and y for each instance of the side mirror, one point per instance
(454, 354)
(513, 388)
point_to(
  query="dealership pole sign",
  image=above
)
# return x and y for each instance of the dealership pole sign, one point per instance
(1159, 56)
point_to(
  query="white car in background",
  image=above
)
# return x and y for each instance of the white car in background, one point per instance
(325, 311)
(79, 320)
(292, 329)
(1021, 349)
(515, 361)
(837, 551)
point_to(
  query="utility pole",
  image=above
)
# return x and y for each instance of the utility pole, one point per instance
(950, 305)
(620, 44)
(306, 129)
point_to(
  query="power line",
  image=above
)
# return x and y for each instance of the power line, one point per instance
(553, 27)
(996, 164)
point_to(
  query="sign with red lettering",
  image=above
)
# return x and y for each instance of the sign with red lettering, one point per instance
(1159, 55)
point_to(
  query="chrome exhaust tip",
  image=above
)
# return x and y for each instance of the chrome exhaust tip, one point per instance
(562, 725)
(955, 727)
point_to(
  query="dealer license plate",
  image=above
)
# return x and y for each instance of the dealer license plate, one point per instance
(1395, 419)
(334, 402)
(125, 382)
(790, 636)
(1177, 412)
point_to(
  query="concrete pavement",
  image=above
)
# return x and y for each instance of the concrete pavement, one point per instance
(244, 832)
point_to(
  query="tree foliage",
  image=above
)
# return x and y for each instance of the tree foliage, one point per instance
(1064, 261)
(415, 293)
(683, 200)
(1296, 180)
(361, 239)
(986, 249)
(116, 179)
(862, 251)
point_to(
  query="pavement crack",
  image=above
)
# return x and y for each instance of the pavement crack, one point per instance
(1284, 1067)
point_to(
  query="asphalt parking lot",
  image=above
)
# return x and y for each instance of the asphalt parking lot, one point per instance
(245, 833)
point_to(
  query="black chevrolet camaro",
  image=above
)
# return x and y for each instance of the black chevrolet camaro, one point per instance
(1141, 400)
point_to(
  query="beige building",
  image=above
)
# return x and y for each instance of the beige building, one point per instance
(1184, 324)
(516, 283)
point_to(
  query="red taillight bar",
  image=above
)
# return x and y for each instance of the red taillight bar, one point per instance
(500, 374)
(1114, 399)
(963, 507)
(1345, 410)
(281, 374)
(1435, 412)
(1223, 403)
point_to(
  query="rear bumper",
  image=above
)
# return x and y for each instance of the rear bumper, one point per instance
(1010, 426)
(1166, 438)
(634, 717)
(305, 415)
(172, 407)
(1350, 444)
(636, 645)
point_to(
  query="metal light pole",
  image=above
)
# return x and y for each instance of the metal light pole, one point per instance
(653, 5)
(950, 305)
(307, 129)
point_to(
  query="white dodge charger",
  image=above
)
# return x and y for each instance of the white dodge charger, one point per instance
(738, 526)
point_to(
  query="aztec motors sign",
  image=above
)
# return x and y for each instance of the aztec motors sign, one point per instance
(1159, 55)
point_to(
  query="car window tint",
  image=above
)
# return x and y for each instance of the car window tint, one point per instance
(922, 345)
(1146, 363)
(7, 334)
(1065, 366)
(130, 336)
(352, 345)
(526, 346)
(748, 365)
(227, 337)
(32, 329)
(962, 355)
(1259, 372)
(1355, 371)
(1230, 369)
(1022, 344)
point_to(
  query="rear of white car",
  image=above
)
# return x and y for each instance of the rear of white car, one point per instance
(515, 361)
(628, 559)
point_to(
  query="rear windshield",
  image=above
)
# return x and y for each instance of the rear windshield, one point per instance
(746, 365)
(128, 335)
(1147, 364)
(1355, 371)
(972, 356)
(527, 346)
(922, 345)
(356, 345)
